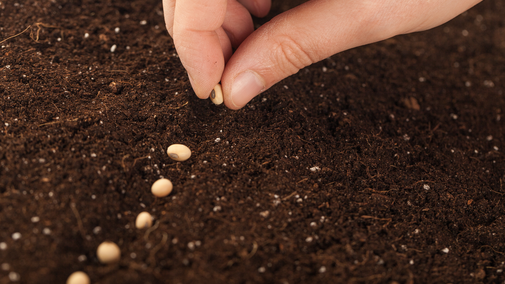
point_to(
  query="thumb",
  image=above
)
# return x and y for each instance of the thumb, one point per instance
(318, 29)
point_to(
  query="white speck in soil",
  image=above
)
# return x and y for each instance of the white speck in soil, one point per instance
(217, 208)
(488, 83)
(322, 269)
(426, 187)
(16, 236)
(191, 245)
(3, 246)
(143, 22)
(261, 269)
(35, 219)
(116, 30)
(309, 239)
(445, 250)
(46, 231)
(82, 258)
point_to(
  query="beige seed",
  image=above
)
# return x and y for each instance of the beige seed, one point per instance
(216, 96)
(78, 277)
(144, 220)
(162, 187)
(179, 152)
(108, 252)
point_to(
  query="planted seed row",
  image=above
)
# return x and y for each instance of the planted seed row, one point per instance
(109, 252)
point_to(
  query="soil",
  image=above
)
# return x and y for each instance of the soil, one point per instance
(382, 164)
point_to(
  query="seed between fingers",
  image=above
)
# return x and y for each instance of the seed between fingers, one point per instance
(216, 96)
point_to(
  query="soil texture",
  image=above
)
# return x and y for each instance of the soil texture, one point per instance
(382, 164)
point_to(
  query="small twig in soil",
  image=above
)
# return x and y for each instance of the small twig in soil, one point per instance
(79, 221)
(135, 161)
(16, 35)
(183, 105)
(59, 121)
(36, 38)
(254, 250)
(289, 196)
(378, 219)
(150, 230)
(152, 258)
(122, 162)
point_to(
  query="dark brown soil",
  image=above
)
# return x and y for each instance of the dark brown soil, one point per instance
(383, 164)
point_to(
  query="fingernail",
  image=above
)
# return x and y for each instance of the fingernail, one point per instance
(245, 87)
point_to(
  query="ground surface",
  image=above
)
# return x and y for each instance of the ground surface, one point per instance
(383, 164)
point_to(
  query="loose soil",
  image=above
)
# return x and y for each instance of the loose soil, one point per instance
(382, 164)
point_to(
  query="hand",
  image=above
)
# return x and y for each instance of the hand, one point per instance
(204, 31)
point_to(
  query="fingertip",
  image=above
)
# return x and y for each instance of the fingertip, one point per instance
(258, 8)
(199, 91)
(243, 88)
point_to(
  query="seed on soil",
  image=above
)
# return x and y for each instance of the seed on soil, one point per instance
(108, 252)
(162, 187)
(78, 277)
(144, 220)
(216, 96)
(179, 152)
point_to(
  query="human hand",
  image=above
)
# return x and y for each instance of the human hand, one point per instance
(204, 31)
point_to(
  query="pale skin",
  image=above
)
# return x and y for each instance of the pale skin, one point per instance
(205, 33)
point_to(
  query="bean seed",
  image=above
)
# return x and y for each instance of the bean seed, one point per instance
(144, 220)
(216, 96)
(78, 277)
(108, 252)
(179, 152)
(162, 187)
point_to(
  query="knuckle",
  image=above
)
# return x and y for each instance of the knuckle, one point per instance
(290, 56)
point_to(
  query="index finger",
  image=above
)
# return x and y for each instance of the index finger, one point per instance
(200, 41)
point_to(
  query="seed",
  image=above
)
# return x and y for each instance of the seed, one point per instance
(216, 96)
(78, 277)
(161, 187)
(179, 152)
(108, 252)
(144, 220)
